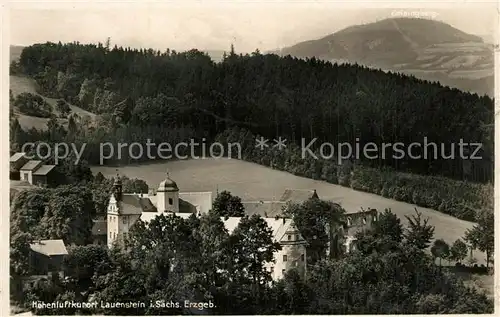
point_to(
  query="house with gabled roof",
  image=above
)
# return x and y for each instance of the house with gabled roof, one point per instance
(32, 171)
(46, 256)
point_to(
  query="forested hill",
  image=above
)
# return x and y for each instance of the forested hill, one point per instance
(269, 95)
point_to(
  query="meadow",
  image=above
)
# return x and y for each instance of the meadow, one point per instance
(20, 84)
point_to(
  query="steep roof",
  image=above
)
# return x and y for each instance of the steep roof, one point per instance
(278, 226)
(298, 195)
(266, 209)
(44, 170)
(31, 165)
(132, 204)
(17, 156)
(49, 247)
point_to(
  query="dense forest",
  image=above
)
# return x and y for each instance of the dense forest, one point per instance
(164, 96)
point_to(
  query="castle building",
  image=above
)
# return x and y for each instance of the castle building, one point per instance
(125, 209)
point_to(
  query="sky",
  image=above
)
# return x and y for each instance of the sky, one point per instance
(215, 26)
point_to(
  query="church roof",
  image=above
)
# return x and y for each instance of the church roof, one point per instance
(167, 185)
(132, 204)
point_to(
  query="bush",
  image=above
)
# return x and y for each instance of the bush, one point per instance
(33, 105)
(455, 198)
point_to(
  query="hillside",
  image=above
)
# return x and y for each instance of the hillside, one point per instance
(18, 85)
(427, 49)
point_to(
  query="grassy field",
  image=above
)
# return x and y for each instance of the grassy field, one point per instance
(254, 182)
(18, 85)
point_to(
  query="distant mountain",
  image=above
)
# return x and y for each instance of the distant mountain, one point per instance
(427, 49)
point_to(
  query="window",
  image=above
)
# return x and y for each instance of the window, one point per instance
(294, 263)
(297, 237)
(283, 271)
(349, 221)
(272, 269)
(284, 258)
(124, 220)
(25, 176)
(302, 257)
(289, 237)
(170, 201)
(374, 218)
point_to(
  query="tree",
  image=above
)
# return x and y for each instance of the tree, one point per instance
(63, 107)
(320, 222)
(418, 233)
(250, 246)
(227, 205)
(135, 185)
(458, 250)
(69, 215)
(440, 249)
(481, 236)
(385, 235)
(82, 262)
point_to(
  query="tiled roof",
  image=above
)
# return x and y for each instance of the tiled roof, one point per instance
(49, 247)
(278, 226)
(44, 170)
(16, 156)
(266, 209)
(132, 204)
(31, 165)
(297, 195)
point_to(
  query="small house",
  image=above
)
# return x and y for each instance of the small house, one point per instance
(46, 256)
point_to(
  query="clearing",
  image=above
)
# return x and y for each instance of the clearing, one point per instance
(20, 84)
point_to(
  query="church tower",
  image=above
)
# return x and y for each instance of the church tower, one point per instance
(167, 196)
(114, 211)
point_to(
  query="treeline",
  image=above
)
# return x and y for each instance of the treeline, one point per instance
(270, 96)
(460, 199)
(200, 261)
